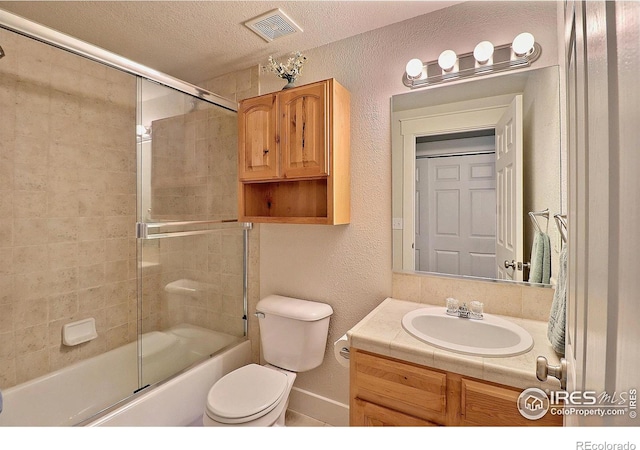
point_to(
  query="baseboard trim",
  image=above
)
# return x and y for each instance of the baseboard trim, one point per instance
(320, 408)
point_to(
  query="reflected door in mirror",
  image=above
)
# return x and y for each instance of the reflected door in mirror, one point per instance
(456, 214)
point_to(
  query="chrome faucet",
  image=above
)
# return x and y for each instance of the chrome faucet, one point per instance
(475, 312)
(463, 311)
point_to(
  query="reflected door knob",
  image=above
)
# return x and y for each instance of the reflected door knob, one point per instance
(509, 265)
(524, 265)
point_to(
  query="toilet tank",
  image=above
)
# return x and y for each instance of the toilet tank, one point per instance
(293, 332)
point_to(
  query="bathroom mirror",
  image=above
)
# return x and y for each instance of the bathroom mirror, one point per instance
(446, 177)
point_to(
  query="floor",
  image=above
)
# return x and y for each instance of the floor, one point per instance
(294, 419)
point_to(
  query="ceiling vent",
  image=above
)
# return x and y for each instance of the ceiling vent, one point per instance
(273, 25)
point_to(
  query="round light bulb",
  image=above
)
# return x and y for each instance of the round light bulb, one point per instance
(447, 60)
(483, 52)
(414, 68)
(523, 44)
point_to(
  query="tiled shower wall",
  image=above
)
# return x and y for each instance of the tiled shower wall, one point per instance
(67, 206)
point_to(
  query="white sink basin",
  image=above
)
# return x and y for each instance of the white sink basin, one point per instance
(491, 336)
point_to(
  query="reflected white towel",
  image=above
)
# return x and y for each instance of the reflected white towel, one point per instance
(540, 271)
(557, 316)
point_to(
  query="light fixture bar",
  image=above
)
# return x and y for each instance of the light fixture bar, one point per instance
(503, 59)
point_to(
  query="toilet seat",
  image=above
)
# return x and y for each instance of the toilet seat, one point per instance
(246, 394)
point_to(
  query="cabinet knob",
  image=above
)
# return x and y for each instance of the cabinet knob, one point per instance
(265, 151)
(544, 370)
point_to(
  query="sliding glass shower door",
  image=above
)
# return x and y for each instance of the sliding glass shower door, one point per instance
(190, 248)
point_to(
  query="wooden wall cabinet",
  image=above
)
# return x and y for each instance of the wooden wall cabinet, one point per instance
(293, 156)
(385, 392)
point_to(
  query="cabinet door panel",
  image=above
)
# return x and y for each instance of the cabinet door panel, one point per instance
(303, 131)
(257, 139)
(404, 387)
(486, 404)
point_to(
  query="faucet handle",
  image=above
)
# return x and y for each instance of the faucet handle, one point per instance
(477, 309)
(452, 306)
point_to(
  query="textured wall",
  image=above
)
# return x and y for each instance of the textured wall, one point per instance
(349, 266)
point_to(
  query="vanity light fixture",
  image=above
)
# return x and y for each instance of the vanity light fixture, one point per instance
(483, 53)
(448, 61)
(486, 58)
(414, 68)
(523, 44)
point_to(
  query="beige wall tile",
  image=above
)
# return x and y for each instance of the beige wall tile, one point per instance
(28, 259)
(406, 287)
(63, 229)
(30, 231)
(536, 303)
(62, 255)
(436, 290)
(31, 339)
(6, 261)
(6, 232)
(32, 365)
(63, 306)
(32, 151)
(508, 299)
(6, 289)
(7, 318)
(29, 177)
(7, 347)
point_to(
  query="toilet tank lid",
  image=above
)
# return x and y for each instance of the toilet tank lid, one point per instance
(294, 308)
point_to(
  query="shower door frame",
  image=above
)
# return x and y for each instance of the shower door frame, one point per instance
(20, 25)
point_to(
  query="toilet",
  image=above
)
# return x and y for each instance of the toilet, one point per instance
(293, 336)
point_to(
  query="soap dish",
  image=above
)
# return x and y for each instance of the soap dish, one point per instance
(75, 333)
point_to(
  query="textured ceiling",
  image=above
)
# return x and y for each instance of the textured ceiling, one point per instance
(199, 40)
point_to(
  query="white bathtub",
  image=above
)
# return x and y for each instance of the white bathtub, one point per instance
(81, 393)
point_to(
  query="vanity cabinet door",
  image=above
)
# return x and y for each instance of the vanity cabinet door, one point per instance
(404, 387)
(304, 119)
(367, 414)
(487, 404)
(258, 157)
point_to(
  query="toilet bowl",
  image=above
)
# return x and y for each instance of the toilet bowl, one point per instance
(253, 395)
(293, 335)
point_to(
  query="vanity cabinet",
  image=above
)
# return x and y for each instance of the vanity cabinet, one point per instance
(293, 155)
(385, 391)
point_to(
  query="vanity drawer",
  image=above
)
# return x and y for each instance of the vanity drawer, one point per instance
(401, 386)
(488, 404)
(369, 414)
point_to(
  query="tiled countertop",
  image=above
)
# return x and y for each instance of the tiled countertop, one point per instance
(381, 332)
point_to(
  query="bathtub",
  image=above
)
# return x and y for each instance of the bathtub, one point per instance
(81, 394)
